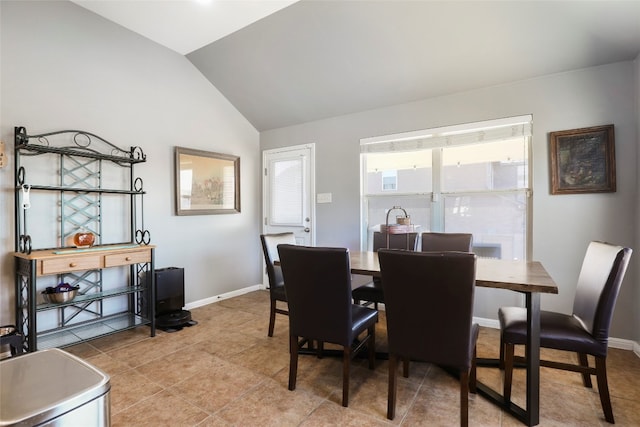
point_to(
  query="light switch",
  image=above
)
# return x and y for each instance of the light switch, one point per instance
(323, 197)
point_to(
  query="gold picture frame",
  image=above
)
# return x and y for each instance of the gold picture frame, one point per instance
(583, 160)
(207, 183)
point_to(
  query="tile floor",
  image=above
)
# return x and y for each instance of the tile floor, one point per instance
(225, 371)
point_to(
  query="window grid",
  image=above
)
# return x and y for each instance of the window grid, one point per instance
(480, 187)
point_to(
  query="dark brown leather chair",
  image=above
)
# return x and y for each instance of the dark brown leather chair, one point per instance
(372, 292)
(318, 284)
(441, 242)
(270, 244)
(13, 339)
(585, 331)
(429, 306)
(460, 242)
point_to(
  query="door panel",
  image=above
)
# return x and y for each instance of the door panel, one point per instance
(289, 191)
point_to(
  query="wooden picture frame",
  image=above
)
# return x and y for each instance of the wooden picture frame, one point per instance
(583, 160)
(206, 183)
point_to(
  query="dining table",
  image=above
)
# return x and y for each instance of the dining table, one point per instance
(527, 277)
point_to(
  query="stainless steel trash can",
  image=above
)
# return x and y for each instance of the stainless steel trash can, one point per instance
(53, 388)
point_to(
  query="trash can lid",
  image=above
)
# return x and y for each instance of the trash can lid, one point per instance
(42, 385)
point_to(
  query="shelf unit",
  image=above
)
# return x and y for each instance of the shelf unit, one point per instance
(86, 184)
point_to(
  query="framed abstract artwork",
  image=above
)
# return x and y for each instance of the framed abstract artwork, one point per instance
(583, 160)
(206, 183)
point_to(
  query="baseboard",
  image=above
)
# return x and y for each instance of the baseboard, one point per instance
(625, 345)
(487, 323)
(221, 297)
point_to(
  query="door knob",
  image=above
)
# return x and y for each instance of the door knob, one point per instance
(307, 229)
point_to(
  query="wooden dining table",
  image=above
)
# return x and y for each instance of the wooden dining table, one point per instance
(527, 277)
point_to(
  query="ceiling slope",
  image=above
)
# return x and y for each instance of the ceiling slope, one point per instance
(319, 59)
(284, 62)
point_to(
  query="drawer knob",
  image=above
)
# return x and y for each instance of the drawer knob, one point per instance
(128, 258)
(72, 264)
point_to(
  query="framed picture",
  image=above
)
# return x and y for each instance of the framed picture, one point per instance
(583, 161)
(206, 183)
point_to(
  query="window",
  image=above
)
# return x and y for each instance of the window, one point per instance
(287, 188)
(467, 178)
(389, 180)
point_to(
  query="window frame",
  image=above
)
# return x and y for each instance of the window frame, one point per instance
(437, 196)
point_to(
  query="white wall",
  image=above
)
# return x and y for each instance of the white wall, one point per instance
(563, 225)
(636, 321)
(65, 68)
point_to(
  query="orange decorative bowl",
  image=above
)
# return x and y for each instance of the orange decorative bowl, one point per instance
(84, 239)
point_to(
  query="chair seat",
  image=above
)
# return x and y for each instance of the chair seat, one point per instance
(277, 292)
(363, 318)
(371, 292)
(557, 330)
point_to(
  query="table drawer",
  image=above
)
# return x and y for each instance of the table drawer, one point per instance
(127, 258)
(62, 265)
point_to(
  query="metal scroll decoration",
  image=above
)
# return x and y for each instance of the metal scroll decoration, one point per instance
(143, 236)
(82, 145)
(85, 152)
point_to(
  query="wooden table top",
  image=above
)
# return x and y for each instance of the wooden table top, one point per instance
(521, 276)
(42, 254)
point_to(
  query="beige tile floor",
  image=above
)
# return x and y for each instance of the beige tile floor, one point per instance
(225, 371)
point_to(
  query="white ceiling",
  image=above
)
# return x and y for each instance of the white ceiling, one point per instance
(282, 63)
(184, 25)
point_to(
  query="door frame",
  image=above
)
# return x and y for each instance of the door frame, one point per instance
(311, 188)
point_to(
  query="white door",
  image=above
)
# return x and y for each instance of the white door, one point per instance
(289, 191)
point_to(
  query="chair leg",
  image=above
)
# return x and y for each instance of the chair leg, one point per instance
(272, 317)
(464, 398)
(293, 361)
(346, 362)
(586, 377)
(508, 371)
(372, 347)
(603, 388)
(405, 367)
(472, 373)
(391, 394)
(320, 349)
(501, 363)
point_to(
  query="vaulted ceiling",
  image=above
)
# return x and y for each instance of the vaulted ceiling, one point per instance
(296, 62)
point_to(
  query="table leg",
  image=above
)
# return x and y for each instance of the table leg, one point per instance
(532, 353)
(530, 415)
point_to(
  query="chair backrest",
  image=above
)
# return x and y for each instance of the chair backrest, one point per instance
(396, 241)
(270, 244)
(318, 286)
(429, 304)
(436, 242)
(603, 269)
